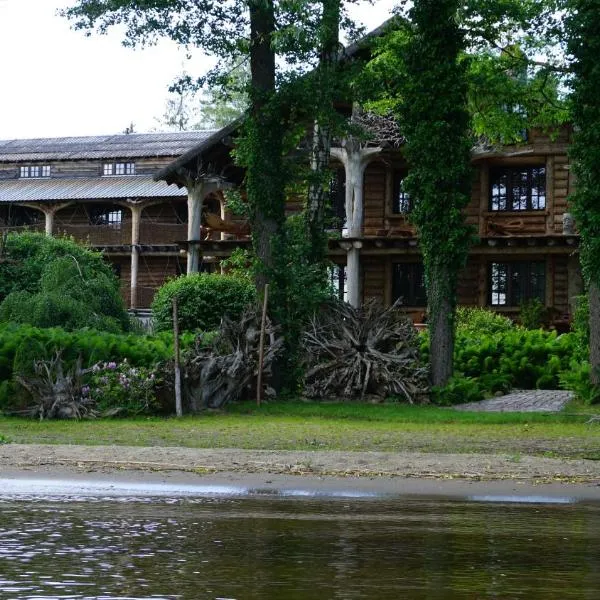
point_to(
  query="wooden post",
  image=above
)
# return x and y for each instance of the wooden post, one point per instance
(261, 346)
(136, 214)
(196, 192)
(178, 408)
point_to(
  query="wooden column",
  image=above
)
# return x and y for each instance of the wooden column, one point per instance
(49, 212)
(195, 198)
(355, 159)
(136, 213)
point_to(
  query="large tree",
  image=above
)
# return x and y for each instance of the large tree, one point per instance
(434, 119)
(584, 47)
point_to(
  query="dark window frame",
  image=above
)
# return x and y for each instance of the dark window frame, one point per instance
(524, 188)
(401, 201)
(517, 281)
(408, 283)
(106, 216)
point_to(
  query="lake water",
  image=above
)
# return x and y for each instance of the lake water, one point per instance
(297, 549)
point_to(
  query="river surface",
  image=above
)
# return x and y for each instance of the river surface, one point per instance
(297, 548)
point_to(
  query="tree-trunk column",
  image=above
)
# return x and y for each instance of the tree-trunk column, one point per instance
(195, 198)
(136, 213)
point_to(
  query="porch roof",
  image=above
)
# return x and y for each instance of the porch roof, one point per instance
(86, 188)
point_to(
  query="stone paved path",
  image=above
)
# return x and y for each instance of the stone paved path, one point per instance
(522, 401)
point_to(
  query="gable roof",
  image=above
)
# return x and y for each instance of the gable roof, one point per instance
(133, 145)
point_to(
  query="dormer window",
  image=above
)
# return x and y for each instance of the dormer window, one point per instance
(34, 171)
(119, 168)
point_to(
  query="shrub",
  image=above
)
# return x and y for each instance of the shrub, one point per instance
(481, 321)
(533, 314)
(50, 282)
(458, 390)
(202, 300)
(122, 389)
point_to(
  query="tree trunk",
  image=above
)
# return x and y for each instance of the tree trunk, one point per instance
(441, 325)
(321, 146)
(594, 299)
(264, 176)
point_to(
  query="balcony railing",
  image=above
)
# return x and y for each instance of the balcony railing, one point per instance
(153, 232)
(18, 228)
(97, 235)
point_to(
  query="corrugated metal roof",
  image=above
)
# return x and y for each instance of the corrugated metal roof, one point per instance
(109, 146)
(86, 188)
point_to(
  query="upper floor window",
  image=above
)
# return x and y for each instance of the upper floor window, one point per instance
(106, 215)
(408, 284)
(119, 168)
(518, 188)
(31, 171)
(401, 204)
(512, 283)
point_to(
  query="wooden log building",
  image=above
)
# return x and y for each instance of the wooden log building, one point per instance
(139, 198)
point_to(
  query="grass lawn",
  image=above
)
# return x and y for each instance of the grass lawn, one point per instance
(305, 426)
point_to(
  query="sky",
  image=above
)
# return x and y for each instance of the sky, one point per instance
(57, 82)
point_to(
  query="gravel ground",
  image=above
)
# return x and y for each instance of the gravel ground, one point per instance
(43, 459)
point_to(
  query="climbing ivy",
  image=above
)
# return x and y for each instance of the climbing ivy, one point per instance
(584, 46)
(435, 122)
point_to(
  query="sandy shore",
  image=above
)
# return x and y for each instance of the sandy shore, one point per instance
(109, 470)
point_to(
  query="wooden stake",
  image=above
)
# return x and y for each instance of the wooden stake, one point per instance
(261, 347)
(178, 408)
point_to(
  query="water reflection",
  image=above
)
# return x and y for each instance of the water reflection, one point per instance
(297, 549)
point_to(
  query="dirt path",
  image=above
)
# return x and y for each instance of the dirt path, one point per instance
(43, 459)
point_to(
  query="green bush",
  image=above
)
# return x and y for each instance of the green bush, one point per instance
(202, 300)
(481, 321)
(533, 314)
(515, 358)
(54, 282)
(120, 389)
(459, 390)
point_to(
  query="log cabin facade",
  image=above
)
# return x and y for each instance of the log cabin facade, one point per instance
(139, 198)
(526, 246)
(101, 191)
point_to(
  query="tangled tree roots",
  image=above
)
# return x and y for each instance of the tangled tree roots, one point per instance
(351, 353)
(56, 394)
(227, 369)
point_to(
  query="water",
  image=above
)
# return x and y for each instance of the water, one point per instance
(297, 549)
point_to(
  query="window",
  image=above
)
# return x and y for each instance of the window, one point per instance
(111, 216)
(518, 188)
(338, 282)
(511, 283)
(401, 204)
(119, 168)
(408, 284)
(335, 215)
(33, 171)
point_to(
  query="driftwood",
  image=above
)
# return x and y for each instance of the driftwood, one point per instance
(56, 394)
(227, 369)
(371, 351)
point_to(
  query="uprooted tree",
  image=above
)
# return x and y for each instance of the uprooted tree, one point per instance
(226, 369)
(352, 353)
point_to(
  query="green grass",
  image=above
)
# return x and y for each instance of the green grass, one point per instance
(311, 426)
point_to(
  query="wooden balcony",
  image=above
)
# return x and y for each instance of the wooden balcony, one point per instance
(97, 235)
(154, 232)
(37, 227)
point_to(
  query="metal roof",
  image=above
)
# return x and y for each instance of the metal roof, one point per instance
(108, 146)
(86, 188)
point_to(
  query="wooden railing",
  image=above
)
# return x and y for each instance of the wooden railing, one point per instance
(152, 232)
(97, 235)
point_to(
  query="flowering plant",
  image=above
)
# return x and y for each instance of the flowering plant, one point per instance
(119, 388)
